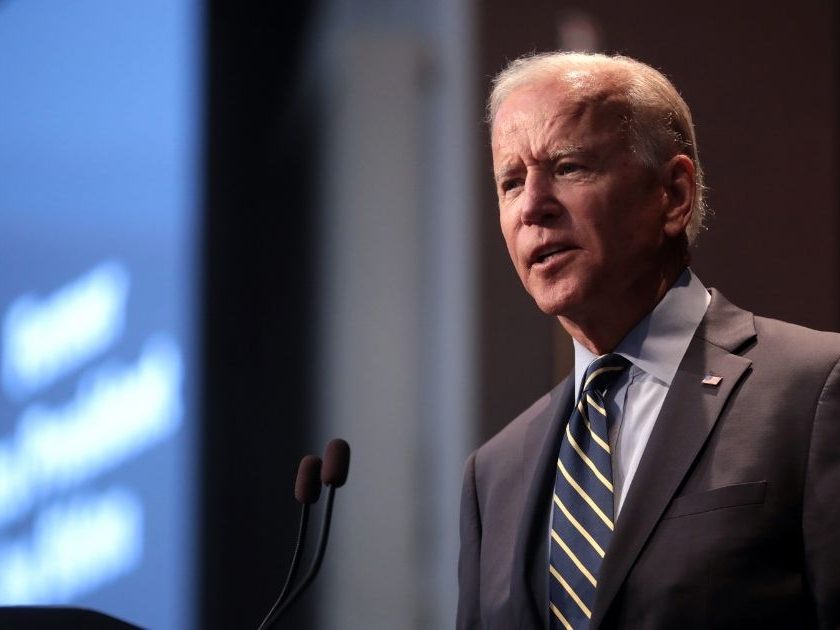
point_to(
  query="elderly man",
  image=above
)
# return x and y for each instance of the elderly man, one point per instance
(686, 474)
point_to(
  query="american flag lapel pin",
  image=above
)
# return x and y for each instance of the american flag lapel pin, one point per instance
(711, 379)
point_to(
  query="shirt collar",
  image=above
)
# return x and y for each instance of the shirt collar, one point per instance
(658, 342)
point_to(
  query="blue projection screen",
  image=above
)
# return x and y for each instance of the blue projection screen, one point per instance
(99, 165)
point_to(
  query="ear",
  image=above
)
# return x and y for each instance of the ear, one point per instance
(680, 189)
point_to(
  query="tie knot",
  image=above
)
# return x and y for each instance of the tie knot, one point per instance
(602, 372)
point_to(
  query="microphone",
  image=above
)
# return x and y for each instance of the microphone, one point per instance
(308, 482)
(307, 492)
(333, 475)
(336, 463)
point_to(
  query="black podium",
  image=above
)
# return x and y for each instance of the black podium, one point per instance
(58, 618)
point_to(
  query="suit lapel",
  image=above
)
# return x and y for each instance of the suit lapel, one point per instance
(529, 581)
(688, 416)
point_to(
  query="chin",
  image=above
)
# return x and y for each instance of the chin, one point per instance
(555, 302)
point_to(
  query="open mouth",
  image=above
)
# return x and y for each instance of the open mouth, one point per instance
(548, 254)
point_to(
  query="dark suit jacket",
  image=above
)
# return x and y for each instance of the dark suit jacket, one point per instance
(732, 519)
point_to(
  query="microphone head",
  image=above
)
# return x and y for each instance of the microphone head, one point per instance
(336, 463)
(308, 482)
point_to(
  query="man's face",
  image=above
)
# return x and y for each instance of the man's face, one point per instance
(582, 218)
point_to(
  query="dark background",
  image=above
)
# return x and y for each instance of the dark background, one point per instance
(258, 305)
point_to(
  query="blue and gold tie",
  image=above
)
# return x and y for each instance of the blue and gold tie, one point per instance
(582, 508)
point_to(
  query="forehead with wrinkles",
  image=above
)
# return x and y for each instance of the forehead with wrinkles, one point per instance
(570, 93)
(579, 106)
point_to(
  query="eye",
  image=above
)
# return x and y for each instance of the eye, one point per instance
(506, 185)
(567, 168)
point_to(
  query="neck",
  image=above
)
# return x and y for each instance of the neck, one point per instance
(601, 331)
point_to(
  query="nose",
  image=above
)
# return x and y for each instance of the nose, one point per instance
(539, 204)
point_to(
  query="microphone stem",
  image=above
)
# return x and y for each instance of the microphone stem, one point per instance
(316, 562)
(290, 578)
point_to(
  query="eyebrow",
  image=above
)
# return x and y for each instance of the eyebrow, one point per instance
(505, 172)
(563, 152)
(555, 155)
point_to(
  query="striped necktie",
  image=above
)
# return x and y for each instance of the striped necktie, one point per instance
(582, 508)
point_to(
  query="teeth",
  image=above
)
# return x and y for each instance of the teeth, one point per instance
(548, 253)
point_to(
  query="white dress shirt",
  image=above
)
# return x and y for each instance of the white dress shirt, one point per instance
(655, 347)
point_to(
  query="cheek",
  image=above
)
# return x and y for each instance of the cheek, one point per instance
(619, 226)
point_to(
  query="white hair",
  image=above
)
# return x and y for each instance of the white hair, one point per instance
(658, 121)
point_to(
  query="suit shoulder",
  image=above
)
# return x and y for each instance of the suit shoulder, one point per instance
(787, 346)
(795, 344)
